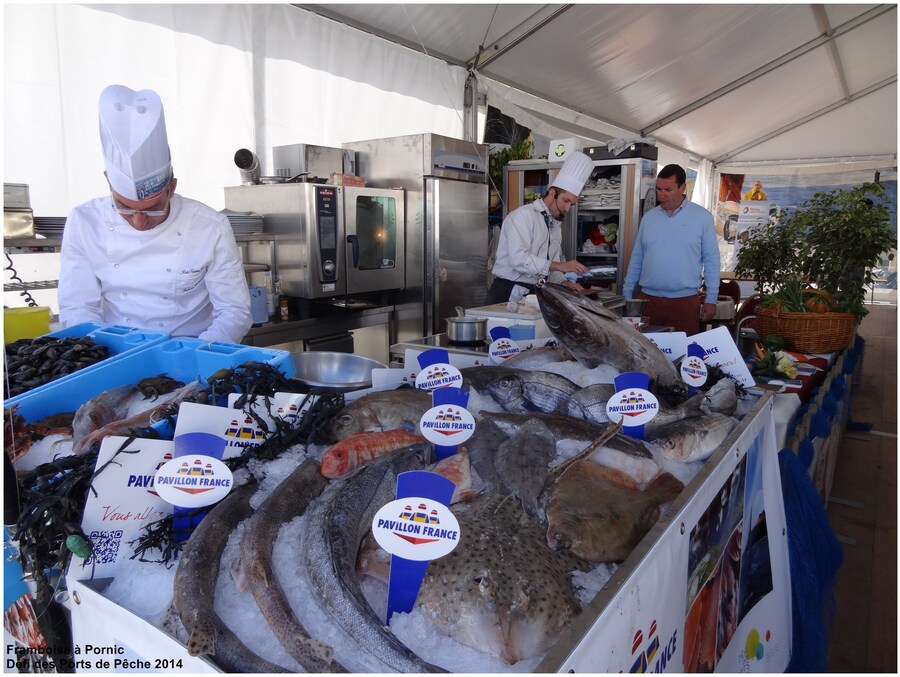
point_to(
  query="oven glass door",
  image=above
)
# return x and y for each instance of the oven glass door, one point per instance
(374, 226)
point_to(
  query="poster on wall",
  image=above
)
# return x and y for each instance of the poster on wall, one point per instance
(787, 190)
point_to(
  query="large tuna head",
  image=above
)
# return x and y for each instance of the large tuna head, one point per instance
(595, 335)
(572, 317)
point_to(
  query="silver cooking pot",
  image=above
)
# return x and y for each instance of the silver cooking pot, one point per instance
(466, 329)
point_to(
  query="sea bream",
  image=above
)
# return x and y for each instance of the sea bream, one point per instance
(531, 391)
(287, 501)
(501, 591)
(596, 516)
(376, 412)
(336, 525)
(595, 335)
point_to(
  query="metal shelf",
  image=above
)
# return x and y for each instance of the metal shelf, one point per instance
(37, 285)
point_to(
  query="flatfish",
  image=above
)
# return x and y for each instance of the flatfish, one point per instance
(523, 463)
(598, 517)
(501, 591)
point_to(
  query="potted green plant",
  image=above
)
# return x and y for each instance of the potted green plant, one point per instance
(502, 156)
(817, 259)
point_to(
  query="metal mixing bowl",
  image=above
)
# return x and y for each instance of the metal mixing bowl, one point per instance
(343, 371)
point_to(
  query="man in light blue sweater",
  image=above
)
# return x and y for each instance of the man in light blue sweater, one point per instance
(675, 252)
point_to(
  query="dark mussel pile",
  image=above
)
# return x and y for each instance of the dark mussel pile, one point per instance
(33, 362)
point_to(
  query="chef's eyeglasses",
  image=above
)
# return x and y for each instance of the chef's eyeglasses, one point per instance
(131, 212)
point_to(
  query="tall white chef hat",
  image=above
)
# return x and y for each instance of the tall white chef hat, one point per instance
(135, 145)
(574, 173)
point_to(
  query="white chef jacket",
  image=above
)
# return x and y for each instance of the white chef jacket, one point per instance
(528, 245)
(184, 277)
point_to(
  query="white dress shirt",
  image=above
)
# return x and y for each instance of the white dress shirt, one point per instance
(184, 277)
(528, 245)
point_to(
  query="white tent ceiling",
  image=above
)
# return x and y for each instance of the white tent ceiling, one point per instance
(730, 83)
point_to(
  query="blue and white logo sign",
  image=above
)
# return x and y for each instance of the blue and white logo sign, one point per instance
(416, 528)
(193, 481)
(436, 371)
(694, 371)
(502, 345)
(447, 425)
(634, 406)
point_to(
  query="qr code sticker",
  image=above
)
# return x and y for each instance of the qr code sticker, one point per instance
(105, 545)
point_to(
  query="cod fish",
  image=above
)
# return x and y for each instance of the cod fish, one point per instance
(195, 587)
(596, 517)
(501, 591)
(595, 335)
(377, 412)
(288, 500)
(693, 439)
(336, 525)
(345, 456)
(108, 406)
(531, 391)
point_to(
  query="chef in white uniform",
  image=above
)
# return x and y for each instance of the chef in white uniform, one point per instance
(530, 246)
(144, 256)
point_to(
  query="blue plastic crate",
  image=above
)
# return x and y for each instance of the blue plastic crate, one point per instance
(119, 340)
(182, 359)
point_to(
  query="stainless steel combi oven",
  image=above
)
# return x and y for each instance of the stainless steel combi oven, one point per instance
(349, 239)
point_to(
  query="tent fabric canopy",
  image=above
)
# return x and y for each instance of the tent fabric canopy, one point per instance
(729, 83)
(722, 85)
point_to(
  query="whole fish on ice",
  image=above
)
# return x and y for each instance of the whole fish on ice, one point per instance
(693, 439)
(402, 408)
(531, 391)
(595, 516)
(523, 463)
(535, 358)
(287, 501)
(140, 420)
(110, 405)
(195, 586)
(501, 591)
(595, 335)
(336, 525)
(345, 456)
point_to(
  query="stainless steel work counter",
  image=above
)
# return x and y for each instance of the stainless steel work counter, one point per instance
(325, 320)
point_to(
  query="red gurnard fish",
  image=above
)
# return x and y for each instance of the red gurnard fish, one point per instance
(364, 447)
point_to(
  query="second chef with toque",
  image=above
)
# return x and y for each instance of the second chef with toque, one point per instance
(530, 246)
(143, 256)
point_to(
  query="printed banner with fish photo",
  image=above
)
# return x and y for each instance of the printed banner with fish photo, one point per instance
(785, 190)
(731, 611)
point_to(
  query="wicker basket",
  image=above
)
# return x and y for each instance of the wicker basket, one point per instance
(807, 332)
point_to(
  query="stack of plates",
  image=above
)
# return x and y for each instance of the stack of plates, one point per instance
(51, 226)
(244, 223)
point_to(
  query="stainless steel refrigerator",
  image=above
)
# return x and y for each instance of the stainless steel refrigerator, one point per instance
(446, 224)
